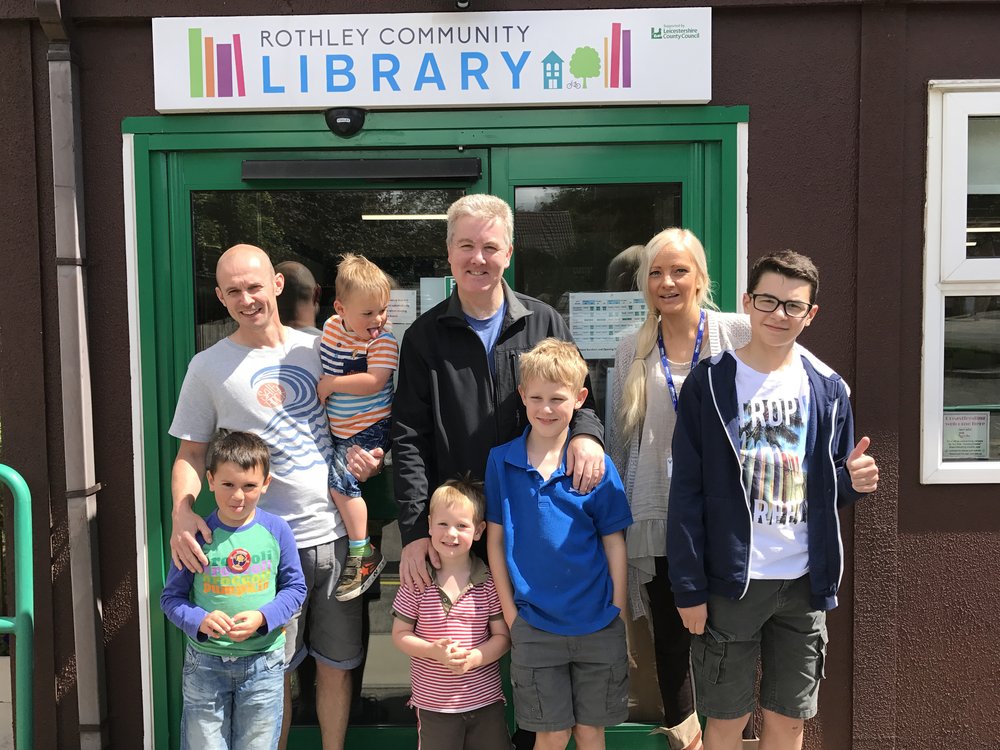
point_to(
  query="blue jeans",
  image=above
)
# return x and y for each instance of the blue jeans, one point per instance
(232, 705)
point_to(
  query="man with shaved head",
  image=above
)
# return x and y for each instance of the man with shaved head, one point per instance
(262, 379)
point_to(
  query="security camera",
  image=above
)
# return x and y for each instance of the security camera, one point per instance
(461, 4)
(345, 121)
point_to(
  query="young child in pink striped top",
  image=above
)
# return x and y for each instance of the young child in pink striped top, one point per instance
(454, 632)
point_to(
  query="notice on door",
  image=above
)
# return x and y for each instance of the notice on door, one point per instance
(966, 436)
(400, 60)
(598, 320)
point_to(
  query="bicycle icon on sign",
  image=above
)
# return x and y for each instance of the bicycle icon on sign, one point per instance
(574, 85)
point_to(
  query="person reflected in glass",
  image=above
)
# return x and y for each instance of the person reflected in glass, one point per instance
(682, 326)
(298, 303)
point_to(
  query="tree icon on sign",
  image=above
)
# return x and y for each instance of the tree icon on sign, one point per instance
(585, 63)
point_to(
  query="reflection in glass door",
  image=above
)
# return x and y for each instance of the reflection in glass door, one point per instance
(401, 230)
(578, 243)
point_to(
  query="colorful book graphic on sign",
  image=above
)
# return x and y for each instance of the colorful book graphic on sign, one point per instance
(214, 68)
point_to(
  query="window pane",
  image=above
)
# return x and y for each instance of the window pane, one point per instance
(572, 238)
(972, 378)
(983, 228)
(314, 227)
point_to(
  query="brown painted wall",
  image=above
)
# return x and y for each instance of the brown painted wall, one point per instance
(837, 95)
(31, 417)
(949, 545)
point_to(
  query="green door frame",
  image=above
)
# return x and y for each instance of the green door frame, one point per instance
(158, 214)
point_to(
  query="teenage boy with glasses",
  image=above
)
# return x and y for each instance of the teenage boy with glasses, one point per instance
(764, 456)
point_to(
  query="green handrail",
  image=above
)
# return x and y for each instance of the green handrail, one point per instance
(22, 623)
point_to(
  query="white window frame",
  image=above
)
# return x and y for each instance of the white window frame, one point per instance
(947, 271)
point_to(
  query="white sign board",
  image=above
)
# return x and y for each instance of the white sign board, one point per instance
(966, 435)
(399, 60)
(403, 306)
(598, 320)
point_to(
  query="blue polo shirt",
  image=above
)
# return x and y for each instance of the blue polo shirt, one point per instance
(552, 540)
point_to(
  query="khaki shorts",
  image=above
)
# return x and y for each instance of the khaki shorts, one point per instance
(775, 623)
(560, 681)
(332, 629)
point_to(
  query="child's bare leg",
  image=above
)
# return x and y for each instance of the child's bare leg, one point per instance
(725, 734)
(588, 737)
(781, 732)
(364, 562)
(354, 511)
(553, 740)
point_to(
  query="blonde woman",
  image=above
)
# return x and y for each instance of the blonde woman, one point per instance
(682, 327)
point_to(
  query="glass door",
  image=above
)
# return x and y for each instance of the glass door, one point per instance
(389, 207)
(581, 211)
(585, 186)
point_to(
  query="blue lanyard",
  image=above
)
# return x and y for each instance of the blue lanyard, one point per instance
(694, 357)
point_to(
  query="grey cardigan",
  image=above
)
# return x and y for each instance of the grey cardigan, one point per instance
(647, 535)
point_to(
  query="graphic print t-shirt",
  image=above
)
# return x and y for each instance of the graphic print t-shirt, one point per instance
(270, 391)
(774, 417)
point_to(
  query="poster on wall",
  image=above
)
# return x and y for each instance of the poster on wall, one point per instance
(598, 320)
(455, 59)
(966, 436)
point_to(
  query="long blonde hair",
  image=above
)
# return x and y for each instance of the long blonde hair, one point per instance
(632, 408)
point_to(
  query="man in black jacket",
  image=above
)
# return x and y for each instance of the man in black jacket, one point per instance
(456, 396)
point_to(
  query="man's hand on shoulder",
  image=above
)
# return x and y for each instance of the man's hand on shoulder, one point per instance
(184, 547)
(585, 461)
(413, 564)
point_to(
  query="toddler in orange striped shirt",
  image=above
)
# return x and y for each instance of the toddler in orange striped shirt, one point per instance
(359, 356)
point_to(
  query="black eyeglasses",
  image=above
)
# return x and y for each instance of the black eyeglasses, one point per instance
(793, 308)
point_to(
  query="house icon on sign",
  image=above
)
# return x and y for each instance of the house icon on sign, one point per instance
(552, 71)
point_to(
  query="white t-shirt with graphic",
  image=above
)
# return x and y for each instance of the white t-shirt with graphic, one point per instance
(270, 391)
(774, 418)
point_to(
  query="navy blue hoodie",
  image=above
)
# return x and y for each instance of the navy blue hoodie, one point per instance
(709, 526)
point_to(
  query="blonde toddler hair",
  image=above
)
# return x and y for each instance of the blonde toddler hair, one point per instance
(355, 273)
(460, 491)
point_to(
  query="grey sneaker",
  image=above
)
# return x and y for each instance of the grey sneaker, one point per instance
(359, 573)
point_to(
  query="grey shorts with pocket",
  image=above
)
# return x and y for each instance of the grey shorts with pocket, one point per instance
(332, 629)
(560, 681)
(479, 729)
(775, 622)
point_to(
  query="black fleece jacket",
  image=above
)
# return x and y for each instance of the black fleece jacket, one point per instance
(449, 411)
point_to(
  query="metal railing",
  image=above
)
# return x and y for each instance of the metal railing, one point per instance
(22, 623)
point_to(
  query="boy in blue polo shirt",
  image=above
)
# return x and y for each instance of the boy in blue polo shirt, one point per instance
(558, 563)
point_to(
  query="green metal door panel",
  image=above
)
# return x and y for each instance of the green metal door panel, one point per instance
(603, 162)
(179, 157)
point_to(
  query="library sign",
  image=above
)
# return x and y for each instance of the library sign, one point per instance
(400, 60)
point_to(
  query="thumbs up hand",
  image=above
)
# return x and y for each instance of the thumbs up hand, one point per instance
(862, 468)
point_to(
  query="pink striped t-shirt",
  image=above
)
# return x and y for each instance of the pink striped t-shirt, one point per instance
(467, 621)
